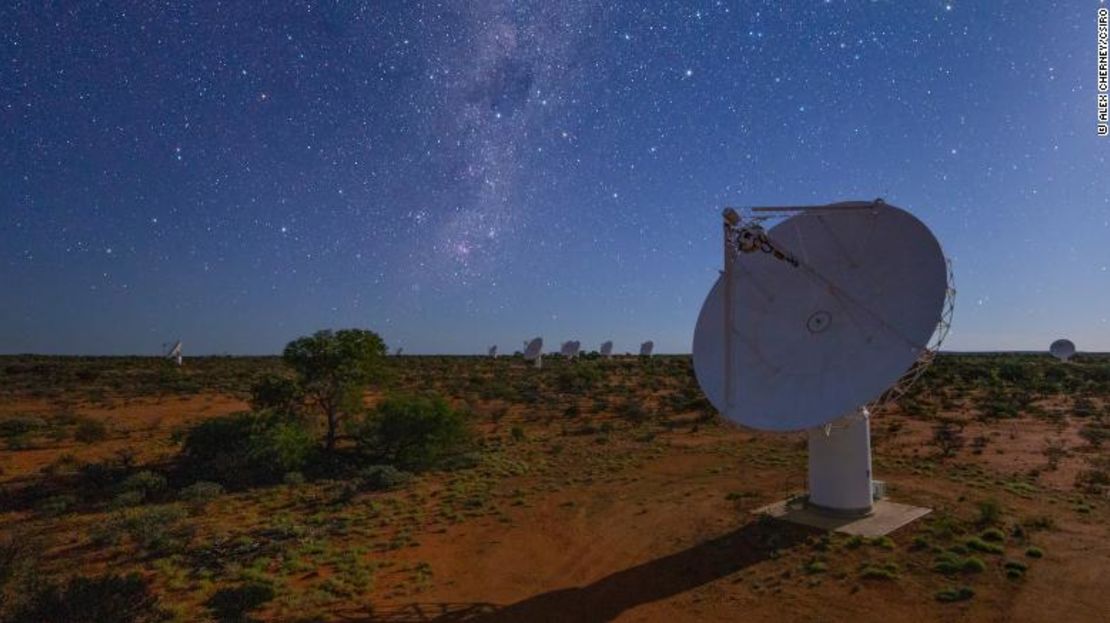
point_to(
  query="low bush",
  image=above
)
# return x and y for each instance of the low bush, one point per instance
(201, 492)
(110, 597)
(90, 431)
(977, 544)
(56, 504)
(19, 425)
(382, 478)
(233, 604)
(412, 433)
(249, 448)
(952, 594)
(147, 484)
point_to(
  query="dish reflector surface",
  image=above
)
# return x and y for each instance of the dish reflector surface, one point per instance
(533, 349)
(646, 348)
(815, 342)
(1062, 349)
(606, 348)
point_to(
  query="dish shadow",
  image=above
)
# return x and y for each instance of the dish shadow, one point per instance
(613, 594)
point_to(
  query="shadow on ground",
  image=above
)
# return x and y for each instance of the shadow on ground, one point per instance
(608, 597)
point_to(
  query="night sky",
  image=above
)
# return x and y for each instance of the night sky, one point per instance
(462, 174)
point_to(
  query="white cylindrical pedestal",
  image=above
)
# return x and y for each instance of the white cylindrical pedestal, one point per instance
(840, 465)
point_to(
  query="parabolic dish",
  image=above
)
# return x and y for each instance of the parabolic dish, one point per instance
(815, 342)
(1062, 349)
(533, 349)
(646, 348)
(606, 348)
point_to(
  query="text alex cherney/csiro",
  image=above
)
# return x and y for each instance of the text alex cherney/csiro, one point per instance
(1103, 84)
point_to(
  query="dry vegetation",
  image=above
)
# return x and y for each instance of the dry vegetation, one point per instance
(590, 490)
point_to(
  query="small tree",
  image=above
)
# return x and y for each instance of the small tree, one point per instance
(277, 393)
(334, 368)
(413, 432)
(948, 436)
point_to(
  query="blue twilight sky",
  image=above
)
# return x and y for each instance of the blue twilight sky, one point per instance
(459, 174)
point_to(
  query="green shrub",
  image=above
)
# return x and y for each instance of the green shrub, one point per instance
(816, 566)
(979, 545)
(233, 604)
(248, 448)
(973, 565)
(56, 504)
(993, 534)
(20, 425)
(990, 511)
(90, 431)
(126, 499)
(201, 492)
(1034, 552)
(884, 542)
(155, 529)
(115, 598)
(146, 483)
(888, 571)
(382, 478)
(948, 595)
(412, 432)
(293, 478)
(1014, 569)
(578, 378)
(277, 393)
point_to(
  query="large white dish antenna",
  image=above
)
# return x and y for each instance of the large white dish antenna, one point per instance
(607, 349)
(1062, 349)
(829, 310)
(646, 348)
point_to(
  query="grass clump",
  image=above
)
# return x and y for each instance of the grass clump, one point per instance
(952, 594)
(886, 572)
(993, 535)
(1015, 569)
(90, 430)
(884, 542)
(382, 478)
(979, 545)
(1034, 552)
(816, 566)
(951, 563)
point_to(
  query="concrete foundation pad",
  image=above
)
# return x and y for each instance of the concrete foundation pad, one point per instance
(886, 517)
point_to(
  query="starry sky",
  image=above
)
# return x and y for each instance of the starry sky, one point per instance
(460, 174)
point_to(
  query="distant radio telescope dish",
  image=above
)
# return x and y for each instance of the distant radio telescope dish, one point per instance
(607, 349)
(493, 351)
(397, 353)
(1062, 349)
(175, 352)
(533, 351)
(570, 349)
(816, 318)
(646, 348)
